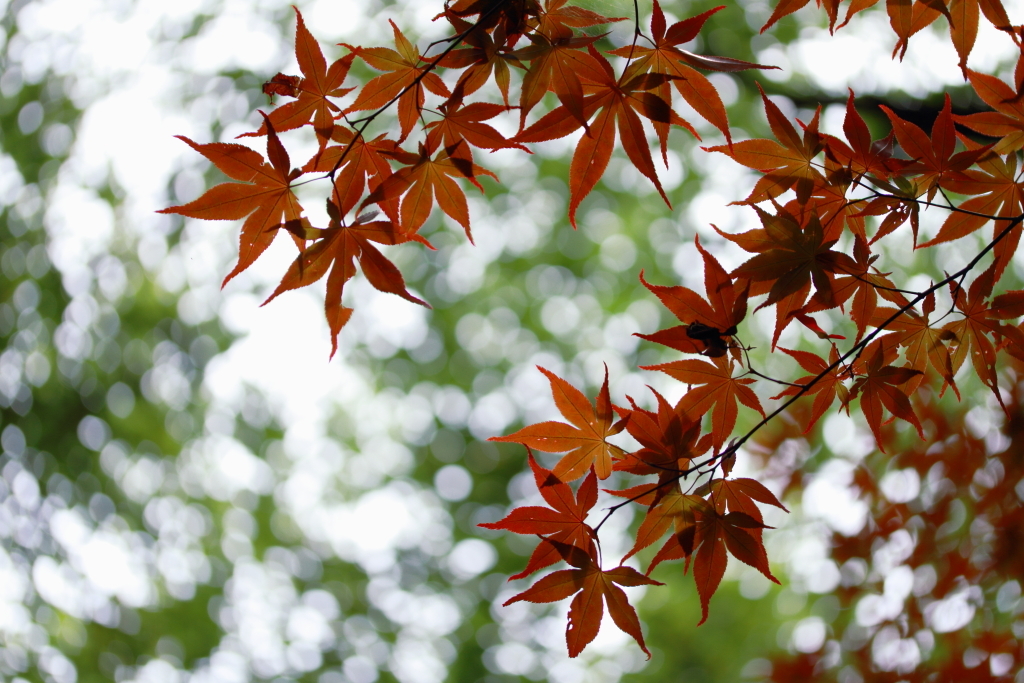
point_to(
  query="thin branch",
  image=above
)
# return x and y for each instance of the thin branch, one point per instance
(856, 349)
(363, 123)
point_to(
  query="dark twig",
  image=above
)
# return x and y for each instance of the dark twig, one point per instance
(855, 350)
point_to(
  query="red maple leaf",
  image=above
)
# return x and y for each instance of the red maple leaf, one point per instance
(717, 533)
(563, 522)
(880, 386)
(936, 161)
(592, 587)
(708, 323)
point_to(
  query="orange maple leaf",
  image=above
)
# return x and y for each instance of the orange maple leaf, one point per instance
(584, 440)
(425, 178)
(1007, 121)
(264, 194)
(365, 164)
(336, 249)
(617, 106)
(789, 165)
(668, 59)
(317, 84)
(713, 389)
(402, 68)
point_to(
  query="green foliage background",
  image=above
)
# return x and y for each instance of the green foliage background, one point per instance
(81, 411)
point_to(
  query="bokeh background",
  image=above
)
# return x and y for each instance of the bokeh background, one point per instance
(191, 491)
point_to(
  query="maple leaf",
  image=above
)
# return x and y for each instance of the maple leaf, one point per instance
(824, 389)
(559, 18)
(863, 285)
(564, 522)
(557, 65)
(668, 437)
(788, 165)
(717, 533)
(714, 389)
(707, 322)
(462, 128)
(668, 59)
(317, 84)
(264, 194)
(898, 208)
(1007, 121)
(424, 179)
(673, 510)
(908, 18)
(971, 334)
(486, 55)
(739, 495)
(402, 69)
(616, 106)
(357, 163)
(862, 155)
(584, 440)
(924, 345)
(998, 194)
(878, 387)
(791, 257)
(336, 249)
(934, 157)
(592, 587)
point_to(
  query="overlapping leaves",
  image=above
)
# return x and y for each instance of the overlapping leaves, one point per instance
(823, 203)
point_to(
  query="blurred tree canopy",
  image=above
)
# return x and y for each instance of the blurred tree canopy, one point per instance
(190, 492)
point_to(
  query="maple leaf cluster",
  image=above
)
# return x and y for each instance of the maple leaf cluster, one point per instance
(388, 179)
(826, 204)
(854, 190)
